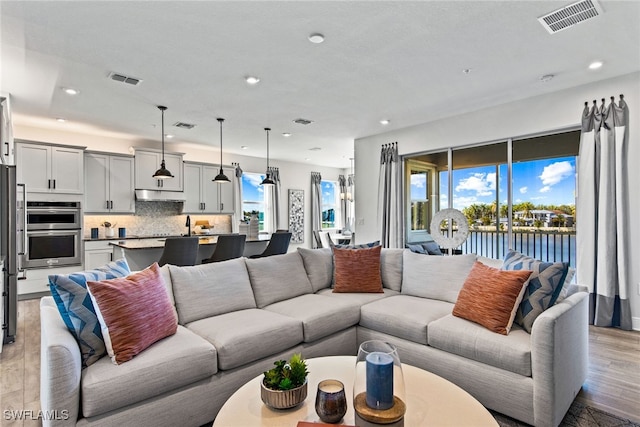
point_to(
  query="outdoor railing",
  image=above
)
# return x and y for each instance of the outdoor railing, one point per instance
(548, 245)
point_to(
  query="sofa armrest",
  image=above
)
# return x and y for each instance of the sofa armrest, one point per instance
(559, 358)
(60, 368)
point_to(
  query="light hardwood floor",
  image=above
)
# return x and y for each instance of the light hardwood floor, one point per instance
(613, 382)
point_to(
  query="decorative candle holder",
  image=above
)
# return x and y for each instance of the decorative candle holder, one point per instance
(378, 390)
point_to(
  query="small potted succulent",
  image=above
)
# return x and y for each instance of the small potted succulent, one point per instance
(285, 385)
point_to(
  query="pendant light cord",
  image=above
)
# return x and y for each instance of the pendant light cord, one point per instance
(220, 120)
(267, 129)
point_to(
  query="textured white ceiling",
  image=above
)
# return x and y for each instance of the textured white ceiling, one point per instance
(398, 60)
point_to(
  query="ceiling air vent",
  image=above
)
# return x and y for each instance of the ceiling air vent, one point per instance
(303, 121)
(184, 125)
(570, 15)
(125, 79)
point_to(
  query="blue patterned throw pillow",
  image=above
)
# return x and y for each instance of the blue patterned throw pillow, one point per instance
(75, 306)
(359, 246)
(545, 284)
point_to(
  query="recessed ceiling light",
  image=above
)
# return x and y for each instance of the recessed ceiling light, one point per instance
(546, 78)
(307, 159)
(315, 149)
(595, 65)
(169, 136)
(244, 147)
(316, 38)
(385, 122)
(61, 120)
(252, 80)
(467, 71)
(286, 134)
(70, 91)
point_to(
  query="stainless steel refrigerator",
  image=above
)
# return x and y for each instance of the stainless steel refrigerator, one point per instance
(9, 247)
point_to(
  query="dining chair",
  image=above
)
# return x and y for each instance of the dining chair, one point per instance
(316, 236)
(282, 230)
(228, 246)
(181, 251)
(278, 245)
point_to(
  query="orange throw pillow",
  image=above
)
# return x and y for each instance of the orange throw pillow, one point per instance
(490, 297)
(357, 270)
(134, 312)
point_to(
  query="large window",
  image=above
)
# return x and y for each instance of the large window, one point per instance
(330, 204)
(537, 218)
(253, 198)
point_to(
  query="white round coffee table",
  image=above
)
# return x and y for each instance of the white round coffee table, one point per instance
(431, 400)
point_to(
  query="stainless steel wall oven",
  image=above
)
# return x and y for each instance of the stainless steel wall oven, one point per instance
(54, 234)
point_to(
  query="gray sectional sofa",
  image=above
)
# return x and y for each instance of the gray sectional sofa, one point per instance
(236, 317)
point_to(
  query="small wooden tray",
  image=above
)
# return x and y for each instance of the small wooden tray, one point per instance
(384, 416)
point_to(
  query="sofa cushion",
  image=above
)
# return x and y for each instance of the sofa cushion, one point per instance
(491, 297)
(403, 316)
(134, 312)
(320, 315)
(435, 277)
(357, 270)
(391, 268)
(277, 278)
(174, 362)
(210, 289)
(318, 264)
(358, 298)
(467, 339)
(545, 284)
(243, 336)
(76, 308)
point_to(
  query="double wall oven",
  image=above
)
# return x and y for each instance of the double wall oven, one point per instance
(53, 235)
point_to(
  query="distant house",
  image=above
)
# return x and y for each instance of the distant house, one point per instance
(545, 216)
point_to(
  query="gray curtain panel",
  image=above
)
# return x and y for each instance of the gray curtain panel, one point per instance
(603, 214)
(237, 208)
(342, 183)
(389, 197)
(316, 203)
(274, 198)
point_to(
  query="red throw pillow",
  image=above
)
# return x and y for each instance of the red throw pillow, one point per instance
(490, 297)
(134, 312)
(357, 270)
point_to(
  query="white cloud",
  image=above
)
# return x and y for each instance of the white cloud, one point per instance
(326, 193)
(523, 190)
(483, 184)
(253, 179)
(463, 202)
(418, 180)
(545, 189)
(556, 172)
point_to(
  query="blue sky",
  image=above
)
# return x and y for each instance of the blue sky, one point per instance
(251, 188)
(328, 194)
(545, 182)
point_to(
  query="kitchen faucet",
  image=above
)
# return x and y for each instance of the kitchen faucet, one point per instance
(188, 225)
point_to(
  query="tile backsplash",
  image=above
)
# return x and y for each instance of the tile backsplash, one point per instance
(156, 218)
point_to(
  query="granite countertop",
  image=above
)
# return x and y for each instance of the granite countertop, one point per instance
(158, 242)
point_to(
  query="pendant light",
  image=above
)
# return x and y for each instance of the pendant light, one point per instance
(267, 179)
(163, 172)
(221, 177)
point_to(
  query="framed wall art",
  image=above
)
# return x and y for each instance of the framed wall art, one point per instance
(296, 215)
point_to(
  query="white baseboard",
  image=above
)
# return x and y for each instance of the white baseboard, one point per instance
(635, 323)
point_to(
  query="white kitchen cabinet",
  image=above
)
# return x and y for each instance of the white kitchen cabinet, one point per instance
(97, 253)
(47, 168)
(109, 181)
(36, 281)
(202, 194)
(147, 162)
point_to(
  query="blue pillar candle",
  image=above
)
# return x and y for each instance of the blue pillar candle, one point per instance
(379, 380)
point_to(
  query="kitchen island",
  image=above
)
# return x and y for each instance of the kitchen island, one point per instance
(140, 253)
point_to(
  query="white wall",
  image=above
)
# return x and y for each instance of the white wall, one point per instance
(549, 112)
(292, 175)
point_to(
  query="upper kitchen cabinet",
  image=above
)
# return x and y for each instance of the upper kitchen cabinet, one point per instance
(202, 194)
(148, 161)
(109, 179)
(48, 168)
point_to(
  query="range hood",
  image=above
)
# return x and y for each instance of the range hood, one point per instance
(159, 196)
